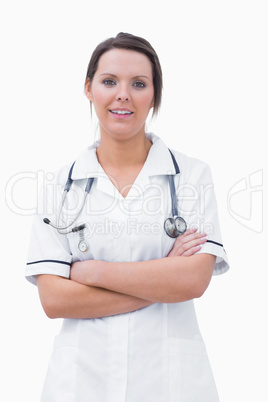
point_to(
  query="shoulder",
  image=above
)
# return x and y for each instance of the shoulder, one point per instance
(191, 168)
(79, 167)
(60, 176)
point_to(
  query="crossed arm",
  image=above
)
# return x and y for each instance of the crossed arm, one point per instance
(100, 289)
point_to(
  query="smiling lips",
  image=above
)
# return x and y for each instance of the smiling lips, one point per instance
(121, 113)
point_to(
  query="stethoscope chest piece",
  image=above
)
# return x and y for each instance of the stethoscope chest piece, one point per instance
(175, 226)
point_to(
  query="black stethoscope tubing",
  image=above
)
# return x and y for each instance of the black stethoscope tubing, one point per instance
(69, 182)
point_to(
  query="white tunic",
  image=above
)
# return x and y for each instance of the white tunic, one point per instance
(155, 354)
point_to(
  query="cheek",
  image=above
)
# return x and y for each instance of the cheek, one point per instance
(98, 97)
(101, 95)
(100, 101)
(147, 101)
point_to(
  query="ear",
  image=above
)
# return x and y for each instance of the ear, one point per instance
(88, 91)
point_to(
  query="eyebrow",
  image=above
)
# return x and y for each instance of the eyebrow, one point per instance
(137, 76)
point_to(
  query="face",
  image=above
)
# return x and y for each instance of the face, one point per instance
(122, 92)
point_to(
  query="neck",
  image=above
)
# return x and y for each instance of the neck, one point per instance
(123, 154)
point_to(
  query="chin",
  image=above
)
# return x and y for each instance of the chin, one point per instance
(122, 135)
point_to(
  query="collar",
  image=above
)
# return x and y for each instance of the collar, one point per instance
(159, 161)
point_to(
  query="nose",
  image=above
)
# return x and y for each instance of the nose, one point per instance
(122, 98)
(122, 94)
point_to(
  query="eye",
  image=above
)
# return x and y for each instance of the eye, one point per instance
(108, 82)
(139, 84)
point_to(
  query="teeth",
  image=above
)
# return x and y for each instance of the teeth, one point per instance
(121, 112)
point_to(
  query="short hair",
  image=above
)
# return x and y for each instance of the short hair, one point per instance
(130, 42)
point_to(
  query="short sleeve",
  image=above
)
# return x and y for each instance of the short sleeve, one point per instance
(198, 205)
(49, 251)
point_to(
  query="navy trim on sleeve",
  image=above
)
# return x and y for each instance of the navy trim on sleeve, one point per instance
(214, 242)
(56, 261)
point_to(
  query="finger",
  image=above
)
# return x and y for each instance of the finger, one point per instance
(183, 244)
(191, 251)
(190, 234)
(190, 245)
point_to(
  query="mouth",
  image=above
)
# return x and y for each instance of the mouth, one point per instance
(121, 112)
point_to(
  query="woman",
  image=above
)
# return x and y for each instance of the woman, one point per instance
(124, 286)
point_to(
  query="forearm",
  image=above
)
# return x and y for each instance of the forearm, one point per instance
(165, 280)
(63, 298)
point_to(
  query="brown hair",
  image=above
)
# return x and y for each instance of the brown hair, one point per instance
(130, 42)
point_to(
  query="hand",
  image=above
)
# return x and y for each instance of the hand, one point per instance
(188, 243)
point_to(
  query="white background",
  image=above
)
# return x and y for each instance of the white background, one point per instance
(214, 60)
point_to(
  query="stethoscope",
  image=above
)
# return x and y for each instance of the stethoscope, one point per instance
(82, 245)
(174, 226)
